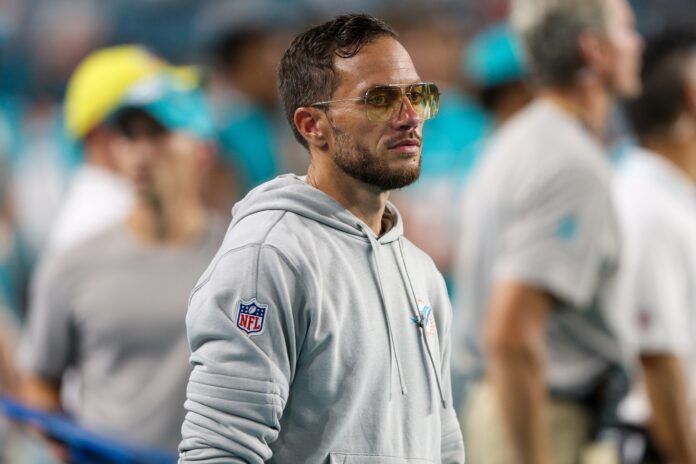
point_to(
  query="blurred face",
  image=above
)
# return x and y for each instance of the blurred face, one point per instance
(158, 163)
(386, 155)
(624, 47)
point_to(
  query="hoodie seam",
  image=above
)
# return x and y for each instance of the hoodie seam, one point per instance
(233, 250)
(298, 278)
(216, 262)
(262, 243)
(292, 266)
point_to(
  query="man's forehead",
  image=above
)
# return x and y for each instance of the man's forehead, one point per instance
(379, 63)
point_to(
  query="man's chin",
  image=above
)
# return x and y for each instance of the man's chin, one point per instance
(395, 180)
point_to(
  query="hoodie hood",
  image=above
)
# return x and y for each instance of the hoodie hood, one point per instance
(292, 193)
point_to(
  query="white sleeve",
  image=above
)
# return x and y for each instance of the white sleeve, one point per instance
(559, 234)
(655, 285)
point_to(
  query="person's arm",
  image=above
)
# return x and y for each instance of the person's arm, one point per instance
(9, 378)
(48, 341)
(242, 367)
(44, 394)
(514, 337)
(671, 419)
(557, 239)
(45, 350)
(657, 290)
(41, 393)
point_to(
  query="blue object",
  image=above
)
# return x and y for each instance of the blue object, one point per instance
(11, 276)
(495, 57)
(249, 142)
(451, 140)
(621, 151)
(85, 447)
(568, 227)
(177, 106)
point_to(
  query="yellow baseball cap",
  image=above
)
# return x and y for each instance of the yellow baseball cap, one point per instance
(101, 81)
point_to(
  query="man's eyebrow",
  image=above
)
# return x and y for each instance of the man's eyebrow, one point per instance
(367, 86)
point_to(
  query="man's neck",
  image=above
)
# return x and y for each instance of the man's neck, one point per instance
(590, 103)
(156, 222)
(364, 201)
(678, 148)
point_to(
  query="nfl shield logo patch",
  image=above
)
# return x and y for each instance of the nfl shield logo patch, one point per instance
(251, 316)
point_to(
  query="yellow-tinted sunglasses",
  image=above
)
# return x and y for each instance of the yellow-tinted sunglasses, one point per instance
(382, 102)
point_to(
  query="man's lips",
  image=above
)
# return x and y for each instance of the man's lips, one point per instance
(405, 144)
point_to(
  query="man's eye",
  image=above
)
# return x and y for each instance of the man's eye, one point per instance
(416, 98)
(377, 100)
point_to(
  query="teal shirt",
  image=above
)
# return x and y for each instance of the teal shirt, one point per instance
(451, 140)
(249, 142)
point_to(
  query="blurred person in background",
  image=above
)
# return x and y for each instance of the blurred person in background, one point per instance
(11, 269)
(655, 195)
(245, 40)
(535, 327)
(98, 196)
(495, 66)
(318, 333)
(9, 329)
(9, 321)
(112, 307)
(435, 41)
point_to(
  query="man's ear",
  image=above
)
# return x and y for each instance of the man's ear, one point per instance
(312, 124)
(595, 56)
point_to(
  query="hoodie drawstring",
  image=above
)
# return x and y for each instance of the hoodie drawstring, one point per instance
(421, 324)
(393, 352)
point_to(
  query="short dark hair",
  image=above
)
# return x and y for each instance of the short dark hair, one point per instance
(306, 73)
(125, 122)
(666, 61)
(227, 50)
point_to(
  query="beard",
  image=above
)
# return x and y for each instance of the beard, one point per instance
(356, 160)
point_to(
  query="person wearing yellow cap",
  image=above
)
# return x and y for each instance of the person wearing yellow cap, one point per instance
(97, 196)
(111, 308)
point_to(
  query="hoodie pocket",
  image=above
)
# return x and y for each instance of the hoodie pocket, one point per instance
(347, 458)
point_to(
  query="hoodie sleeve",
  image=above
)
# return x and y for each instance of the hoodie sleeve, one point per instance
(452, 444)
(244, 341)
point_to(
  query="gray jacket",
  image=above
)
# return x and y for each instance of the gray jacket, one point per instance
(315, 341)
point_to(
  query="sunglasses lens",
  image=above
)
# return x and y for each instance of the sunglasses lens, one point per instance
(381, 101)
(425, 99)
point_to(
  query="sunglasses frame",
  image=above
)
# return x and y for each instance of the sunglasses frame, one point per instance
(404, 93)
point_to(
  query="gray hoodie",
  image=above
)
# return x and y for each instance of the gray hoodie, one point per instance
(315, 341)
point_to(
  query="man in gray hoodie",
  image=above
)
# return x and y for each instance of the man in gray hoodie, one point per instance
(319, 334)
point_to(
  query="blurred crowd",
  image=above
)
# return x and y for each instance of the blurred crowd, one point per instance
(229, 50)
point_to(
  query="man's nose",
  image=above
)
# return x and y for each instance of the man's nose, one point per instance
(407, 117)
(144, 150)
